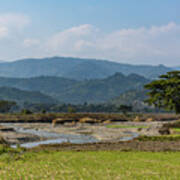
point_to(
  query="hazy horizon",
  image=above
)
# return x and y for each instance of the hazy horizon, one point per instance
(50, 57)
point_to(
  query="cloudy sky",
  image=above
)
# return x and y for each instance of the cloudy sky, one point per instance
(128, 31)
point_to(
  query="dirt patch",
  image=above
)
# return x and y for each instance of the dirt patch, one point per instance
(10, 136)
(135, 145)
(20, 138)
(100, 132)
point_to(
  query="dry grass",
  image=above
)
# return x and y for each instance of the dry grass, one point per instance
(77, 117)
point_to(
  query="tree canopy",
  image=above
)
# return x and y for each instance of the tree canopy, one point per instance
(165, 92)
(5, 106)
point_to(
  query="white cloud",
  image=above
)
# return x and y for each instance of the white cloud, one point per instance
(11, 24)
(69, 39)
(17, 21)
(142, 45)
(31, 42)
(3, 32)
(153, 45)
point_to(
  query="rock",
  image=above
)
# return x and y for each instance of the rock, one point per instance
(57, 121)
(149, 120)
(68, 124)
(3, 141)
(88, 120)
(63, 121)
(137, 119)
(6, 129)
(164, 131)
(107, 122)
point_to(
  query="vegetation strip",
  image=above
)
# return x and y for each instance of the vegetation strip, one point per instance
(125, 126)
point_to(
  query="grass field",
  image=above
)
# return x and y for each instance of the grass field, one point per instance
(170, 137)
(176, 130)
(124, 126)
(99, 165)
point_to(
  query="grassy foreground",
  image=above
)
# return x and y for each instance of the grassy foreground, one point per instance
(90, 165)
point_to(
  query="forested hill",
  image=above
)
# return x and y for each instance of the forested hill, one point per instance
(49, 85)
(130, 97)
(20, 96)
(76, 68)
(72, 91)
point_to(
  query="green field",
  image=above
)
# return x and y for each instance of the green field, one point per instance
(176, 130)
(100, 165)
(124, 126)
(170, 137)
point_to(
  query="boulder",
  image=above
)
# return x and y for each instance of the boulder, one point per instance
(149, 119)
(164, 131)
(88, 120)
(57, 121)
(137, 119)
(107, 122)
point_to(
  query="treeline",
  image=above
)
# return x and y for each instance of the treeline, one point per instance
(28, 108)
(71, 108)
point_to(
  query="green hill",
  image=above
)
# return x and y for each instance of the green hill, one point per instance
(100, 91)
(20, 96)
(71, 91)
(130, 97)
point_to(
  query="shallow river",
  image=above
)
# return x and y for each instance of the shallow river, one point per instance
(56, 138)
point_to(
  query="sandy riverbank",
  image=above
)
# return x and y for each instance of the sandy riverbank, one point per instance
(112, 132)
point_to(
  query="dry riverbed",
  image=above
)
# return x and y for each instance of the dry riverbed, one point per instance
(12, 137)
(112, 132)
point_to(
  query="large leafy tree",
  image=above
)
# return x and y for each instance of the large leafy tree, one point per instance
(5, 106)
(124, 109)
(165, 92)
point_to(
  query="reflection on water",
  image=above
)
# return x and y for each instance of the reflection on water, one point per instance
(56, 138)
(132, 135)
(74, 139)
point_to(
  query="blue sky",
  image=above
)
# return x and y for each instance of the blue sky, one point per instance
(129, 31)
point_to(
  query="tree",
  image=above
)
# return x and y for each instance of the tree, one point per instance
(5, 106)
(124, 108)
(165, 92)
(26, 111)
(71, 109)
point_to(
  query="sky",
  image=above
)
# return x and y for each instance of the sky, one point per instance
(126, 31)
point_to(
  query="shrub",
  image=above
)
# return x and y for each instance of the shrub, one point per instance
(26, 111)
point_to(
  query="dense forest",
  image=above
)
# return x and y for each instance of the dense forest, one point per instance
(75, 92)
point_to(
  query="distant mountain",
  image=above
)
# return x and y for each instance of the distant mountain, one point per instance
(99, 91)
(176, 68)
(76, 68)
(72, 91)
(20, 96)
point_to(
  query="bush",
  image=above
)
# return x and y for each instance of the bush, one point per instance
(26, 111)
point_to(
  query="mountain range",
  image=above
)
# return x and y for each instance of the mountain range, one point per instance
(75, 80)
(20, 96)
(76, 68)
(72, 91)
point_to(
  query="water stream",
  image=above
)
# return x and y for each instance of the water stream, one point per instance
(56, 138)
